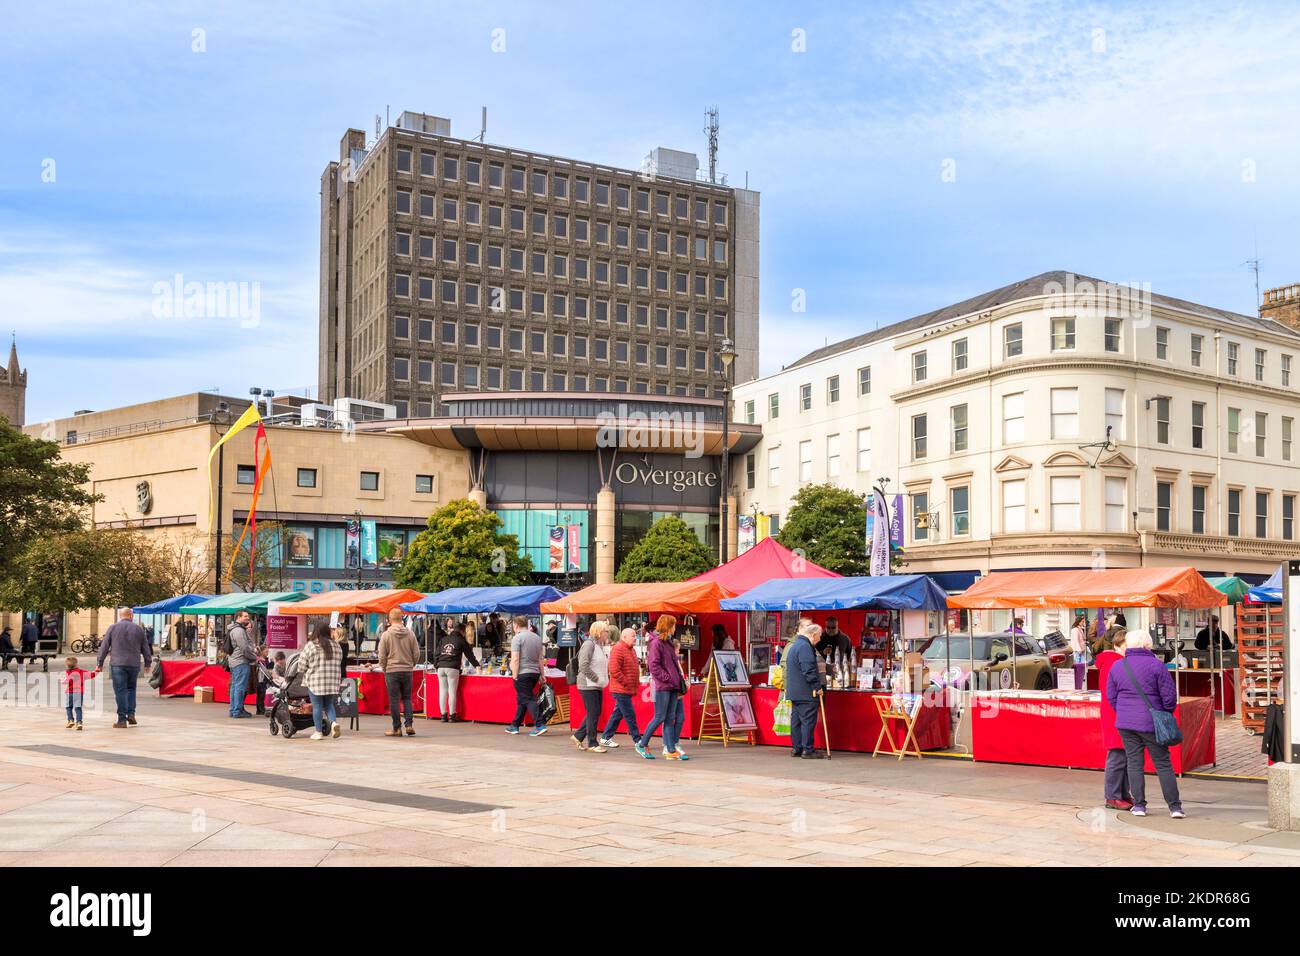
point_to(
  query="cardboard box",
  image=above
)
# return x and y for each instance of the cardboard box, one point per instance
(204, 695)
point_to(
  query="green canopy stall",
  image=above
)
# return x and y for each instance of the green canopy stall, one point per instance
(254, 602)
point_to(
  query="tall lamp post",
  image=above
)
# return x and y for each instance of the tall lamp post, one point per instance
(726, 355)
(221, 416)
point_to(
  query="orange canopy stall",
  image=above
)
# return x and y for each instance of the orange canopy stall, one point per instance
(378, 601)
(1118, 587)
(684, 597)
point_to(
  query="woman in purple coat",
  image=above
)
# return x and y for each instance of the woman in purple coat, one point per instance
(1134, 723)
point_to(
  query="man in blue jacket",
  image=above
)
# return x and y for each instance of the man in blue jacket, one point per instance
(803, 686)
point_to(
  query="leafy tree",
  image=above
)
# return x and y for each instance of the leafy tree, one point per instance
(827, 524)
(463, 546)
(268, 557)
(40, 495)
(669, 551)
(79, 570)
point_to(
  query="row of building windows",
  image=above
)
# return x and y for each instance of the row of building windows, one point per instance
(556, 346)
(310, 478)
(495, 378)
(1063, 337)
(467, 333)
(453, 292)
(541, 224)
(544, 184)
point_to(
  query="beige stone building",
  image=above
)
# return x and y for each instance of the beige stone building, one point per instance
(13, 389)
(150, 463)
(1057, 422)
(449, 265)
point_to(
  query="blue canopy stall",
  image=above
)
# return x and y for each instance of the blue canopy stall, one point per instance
(1270, 592)
(893, 592)
(172, 605)
(525, 599)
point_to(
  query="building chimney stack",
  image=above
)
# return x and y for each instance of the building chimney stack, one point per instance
(1282, 305)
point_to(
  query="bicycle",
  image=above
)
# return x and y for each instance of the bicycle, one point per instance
(86, 645)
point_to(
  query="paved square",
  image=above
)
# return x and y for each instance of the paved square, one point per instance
(189, 787)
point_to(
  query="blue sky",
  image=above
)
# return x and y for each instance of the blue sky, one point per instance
(1154, 143)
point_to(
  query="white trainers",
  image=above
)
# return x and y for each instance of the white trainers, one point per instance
(610, 744)
(317, 736)
(1178, 814)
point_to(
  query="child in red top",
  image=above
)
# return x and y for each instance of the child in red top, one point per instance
(74, 685)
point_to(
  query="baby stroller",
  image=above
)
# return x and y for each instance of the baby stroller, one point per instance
(290, 709)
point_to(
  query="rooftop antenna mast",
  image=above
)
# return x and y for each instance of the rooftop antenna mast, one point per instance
(482, 130)
(1254, 265)
(712, 131)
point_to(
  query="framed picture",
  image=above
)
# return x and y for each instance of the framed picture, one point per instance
(738, 711)
(730, 667)
(760, 657)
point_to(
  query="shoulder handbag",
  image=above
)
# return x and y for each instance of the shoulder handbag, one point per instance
(1166, 725)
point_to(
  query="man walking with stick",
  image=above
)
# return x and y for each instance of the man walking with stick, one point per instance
(803, 688)
(128, 645)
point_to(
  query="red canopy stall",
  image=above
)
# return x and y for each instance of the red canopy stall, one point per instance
(1052, 728)
(765, 561)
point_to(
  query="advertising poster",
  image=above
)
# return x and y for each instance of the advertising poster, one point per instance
(556, 564)
(369, 544)
(284, 632)
(302, 547)
(392, 548)
(575, 547)
(744, 533)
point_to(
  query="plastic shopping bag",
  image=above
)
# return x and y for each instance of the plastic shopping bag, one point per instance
(781, 717)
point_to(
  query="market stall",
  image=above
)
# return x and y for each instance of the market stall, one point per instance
(695, 598)
(372, 693)
(155, 615)
(488, 695)
(1063, 728)
(181, 677)
(853, 716)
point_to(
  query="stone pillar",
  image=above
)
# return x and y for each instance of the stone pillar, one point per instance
(605, 535)
(479, 497)
(1284, 796)
(733, 529)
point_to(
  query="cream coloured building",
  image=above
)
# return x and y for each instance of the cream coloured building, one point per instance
(1056, 422)
(150, 464)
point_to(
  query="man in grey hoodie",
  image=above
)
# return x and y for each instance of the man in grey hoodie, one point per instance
(242, 656)
(127, 644)
(398, 652)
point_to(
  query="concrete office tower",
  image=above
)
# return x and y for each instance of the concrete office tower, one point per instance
(451, 266)
(13, 390)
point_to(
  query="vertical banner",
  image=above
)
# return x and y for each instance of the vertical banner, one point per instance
(369, 544)
(353, 560)
(575, 547)
(879, 538)
(896, 524)
(744, 533)
(556, 565)
(763, 524)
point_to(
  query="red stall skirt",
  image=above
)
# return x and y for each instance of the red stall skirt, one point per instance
(1067, 733)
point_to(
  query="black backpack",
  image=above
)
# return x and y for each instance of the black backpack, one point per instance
(227, 645)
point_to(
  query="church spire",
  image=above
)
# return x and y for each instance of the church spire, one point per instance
(13, 358)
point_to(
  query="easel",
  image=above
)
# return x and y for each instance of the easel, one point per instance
(713, 723)
(891, 709)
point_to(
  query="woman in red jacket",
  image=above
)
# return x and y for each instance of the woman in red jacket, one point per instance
(1118, 796)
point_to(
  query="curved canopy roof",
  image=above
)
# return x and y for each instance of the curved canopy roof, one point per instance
(376, 601)
(684, 597)
(506, 600)
(887, 592)
(1119, 587)
(764, 561)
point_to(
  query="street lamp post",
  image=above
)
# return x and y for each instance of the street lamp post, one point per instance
(727, 355)
(222, 413)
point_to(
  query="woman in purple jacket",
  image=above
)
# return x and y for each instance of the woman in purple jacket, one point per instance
(1134, 723)
(670, 686)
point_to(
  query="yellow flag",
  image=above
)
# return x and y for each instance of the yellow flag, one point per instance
(249, 417)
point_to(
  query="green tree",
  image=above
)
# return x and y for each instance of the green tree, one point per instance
(463, 546)
(827, 525)
(669, 551)
(40, 496)
(268, 557)
(79, 570)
